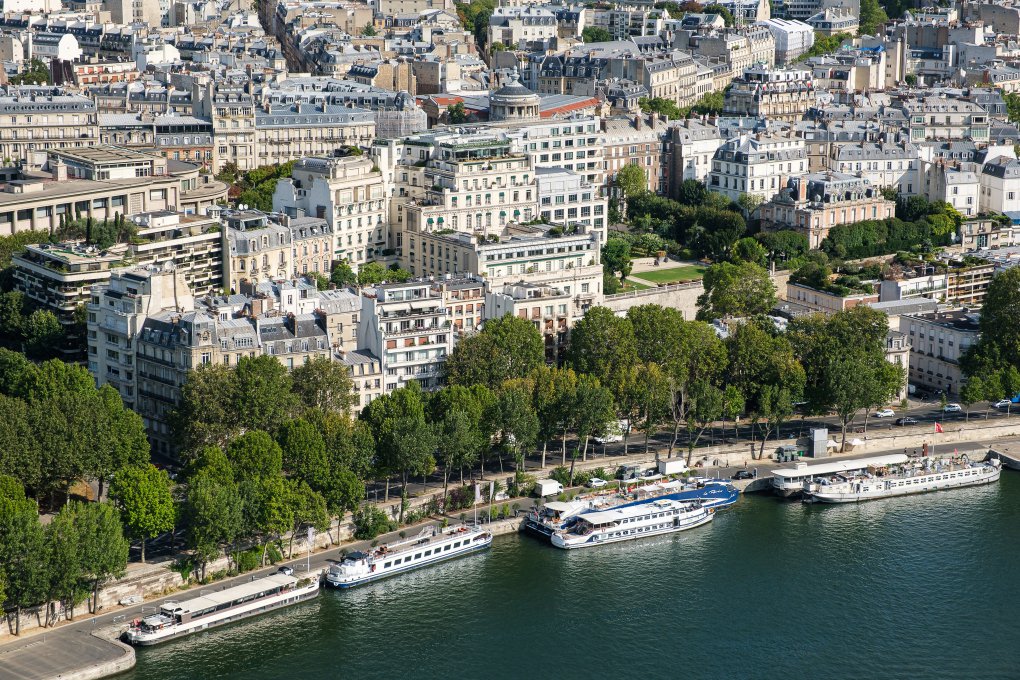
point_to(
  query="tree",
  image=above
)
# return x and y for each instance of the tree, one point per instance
(210, 463)
(603, 345)
(514, 421)
(1012, 100)
(497, 47)
(321, 282)
(123, 442)
(410, 444)
(308, 509)
(405, 403)
(872, 16)
(19, 454)
(706, 407)
(104, 550)
(262, 394)
(304, 451)
(736, 290)
(144, 496)
(844, 362)
(324, 384)
(254, 455)
(971, 393)
(660, 105)
(749, 203)
(368, 31)
(342, 490)
(750, 250)
(203, 415)
(508, 347)
(456, 113)
(22, 555)
(64, 561)
(37, 73)
(213, 517)
(372, 273)
(594, 405)
(649, 395)
(44, 334)
(631, 180)
(457, 440)
(616, 257)
(595, 34)
(342, 275)
(658, 333)
(692, 192)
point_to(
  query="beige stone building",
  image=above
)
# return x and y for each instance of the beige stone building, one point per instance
(286, 132)
(776, 94)
(349, 193)
(255, 249)
(36, 118)
(815, 203)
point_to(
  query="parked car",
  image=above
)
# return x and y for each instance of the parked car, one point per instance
(743, 474)
(286, 571)
(1003, 403)
(597, 483)
(952, 408)
(885, 413)
(906, 420)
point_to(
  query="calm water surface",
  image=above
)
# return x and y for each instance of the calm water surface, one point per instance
(922, 587)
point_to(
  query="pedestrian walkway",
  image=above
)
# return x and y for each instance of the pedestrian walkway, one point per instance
(71, 654)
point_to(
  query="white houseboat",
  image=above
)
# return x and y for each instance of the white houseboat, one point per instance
(430, 546)
(789, 482)
(915, 477)
(662, 516)
(177, 619)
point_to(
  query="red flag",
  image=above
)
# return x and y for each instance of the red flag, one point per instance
(938, 428)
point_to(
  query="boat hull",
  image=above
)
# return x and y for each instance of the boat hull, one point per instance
(559, 542)
(835, 498)
(370, 578)
(263, 608)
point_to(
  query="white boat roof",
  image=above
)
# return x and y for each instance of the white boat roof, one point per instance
(617, 514)
(803, 469)
(557, 506)
(230, 594)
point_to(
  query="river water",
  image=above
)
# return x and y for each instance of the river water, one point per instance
(919, 587)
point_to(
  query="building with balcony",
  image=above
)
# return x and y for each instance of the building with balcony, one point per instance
(349, 193)
(285, 132)
(39, 118)
(407, 326)
(574, 143)
(938, 341)
(777, 94)
(758, 165)
(566, 198)
(117, 310)
(255, 249)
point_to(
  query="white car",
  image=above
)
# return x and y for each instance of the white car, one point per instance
(1003, 403)
(287, 571)
(597, 483)
(885, 413)
(952, 408)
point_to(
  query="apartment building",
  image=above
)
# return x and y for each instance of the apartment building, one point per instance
(286, 132)
(940, 118)
(574, 143)
(758, 164)
(255, 250)
(349, 193)
(116, 313)
(1000, 185)
(639, 140)
(526, 25)
(39, 118)
(776, 94)
(407, 326)
(694, 145)
(567, 198)
(815, 203)
(884, 164)
(938, 342)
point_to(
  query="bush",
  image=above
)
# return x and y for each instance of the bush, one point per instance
(523, 484)
(581, 478)
(184, 566)
(273, 553)
(370, 522)
(460, 498)
(600, 473)
(561, 475)
(247, 560)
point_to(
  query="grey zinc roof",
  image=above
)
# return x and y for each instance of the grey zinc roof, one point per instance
(1002, 167)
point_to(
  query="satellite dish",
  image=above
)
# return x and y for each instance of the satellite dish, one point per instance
(169, 266)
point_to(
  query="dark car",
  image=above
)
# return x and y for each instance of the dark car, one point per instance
(742, 474)
(907, 420)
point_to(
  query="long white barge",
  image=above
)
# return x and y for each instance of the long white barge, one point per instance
(656, 517)
(177, 619)
(918, 476)
(428, 547)
(789, 482)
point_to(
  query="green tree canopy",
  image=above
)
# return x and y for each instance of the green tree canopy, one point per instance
(595, 34)
(324, 384)
(631, 180)
(507, 347)
(736, 290)
(603, 345)
(144, 496)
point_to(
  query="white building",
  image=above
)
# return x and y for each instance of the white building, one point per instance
(793, 38)
(1000, 185)
(575, 143)
(885, 164)
(959, 188)
(515, 25)
(694, 146)
(937, 343)
(349, 193)
(758, 165)
(48, 46)
(567, 198)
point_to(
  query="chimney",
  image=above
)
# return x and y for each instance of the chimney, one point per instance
(59, 171)
(639, 120)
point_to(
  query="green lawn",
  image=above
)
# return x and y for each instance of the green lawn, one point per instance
(672, 274)
(629, 286)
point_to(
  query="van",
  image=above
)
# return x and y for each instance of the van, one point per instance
(548, 487)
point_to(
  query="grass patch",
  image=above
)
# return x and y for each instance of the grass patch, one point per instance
(630, 286)
(673, 274)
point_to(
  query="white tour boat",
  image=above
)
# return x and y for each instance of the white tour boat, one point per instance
(662, 516)
(430, 546)
(177, 619)
(789, 482)
(916, 477)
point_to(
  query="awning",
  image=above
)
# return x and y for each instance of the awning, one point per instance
(430, 220)
(502, 213)
(440, 220)
(516, 212)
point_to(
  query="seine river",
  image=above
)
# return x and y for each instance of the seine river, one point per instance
(922, 587)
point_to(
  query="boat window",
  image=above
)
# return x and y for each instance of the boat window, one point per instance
(387, 565)
(427, 553)
(417, 556)
(446, 547)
